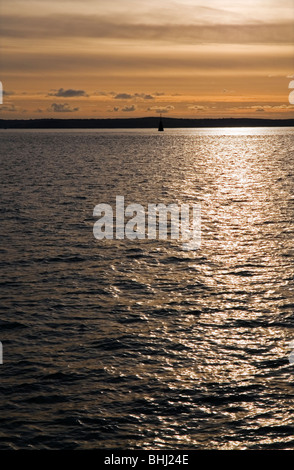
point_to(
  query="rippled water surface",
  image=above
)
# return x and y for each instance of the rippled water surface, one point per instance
(139, 344)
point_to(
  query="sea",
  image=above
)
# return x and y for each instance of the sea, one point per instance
(138, 343)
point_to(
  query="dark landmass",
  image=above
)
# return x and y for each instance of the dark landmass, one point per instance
(139, 123)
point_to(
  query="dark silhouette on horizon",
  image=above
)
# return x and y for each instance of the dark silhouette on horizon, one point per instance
(140, 123)
(160, 126)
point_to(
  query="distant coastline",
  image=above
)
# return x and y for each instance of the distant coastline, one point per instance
(140, 123)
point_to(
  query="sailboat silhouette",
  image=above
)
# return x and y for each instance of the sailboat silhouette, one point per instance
(160, 127)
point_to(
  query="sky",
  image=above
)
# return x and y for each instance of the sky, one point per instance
(137, 58)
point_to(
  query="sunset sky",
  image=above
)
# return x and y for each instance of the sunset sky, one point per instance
(131, 58)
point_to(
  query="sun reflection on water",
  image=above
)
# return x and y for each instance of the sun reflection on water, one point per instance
(139, 344)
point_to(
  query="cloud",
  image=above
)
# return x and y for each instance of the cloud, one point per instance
(68, 93)
(199, 60)
(162, 109)
(171, 30)
(264, 108)
(11, 108)
(62, 108)
(198, 108)
(123, 96)
(129, 109)
(104, 93)
(127, 96)
(144, 96)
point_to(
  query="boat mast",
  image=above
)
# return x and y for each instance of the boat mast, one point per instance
(160, 127)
